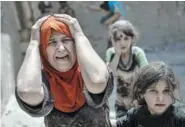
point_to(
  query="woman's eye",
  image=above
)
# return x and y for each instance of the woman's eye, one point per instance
(66, 40)
(52, 42)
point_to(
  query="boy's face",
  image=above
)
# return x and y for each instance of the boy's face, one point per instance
(61, 52)
(158, 98)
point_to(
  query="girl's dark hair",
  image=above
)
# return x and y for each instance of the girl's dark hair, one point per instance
(124, 26)
(151, 74)
(105, 5)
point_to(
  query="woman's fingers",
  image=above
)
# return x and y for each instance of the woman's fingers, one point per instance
(71, 22)
(40, 21)
(64, 20)
(63, 16)
(36, 28)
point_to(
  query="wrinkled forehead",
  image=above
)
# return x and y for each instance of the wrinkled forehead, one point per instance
(55, 34)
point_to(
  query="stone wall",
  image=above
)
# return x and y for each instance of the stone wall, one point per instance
(11, 57)
(158, 22)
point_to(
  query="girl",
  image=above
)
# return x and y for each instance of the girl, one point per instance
(154, 90)
(124, 59)
(58, 79)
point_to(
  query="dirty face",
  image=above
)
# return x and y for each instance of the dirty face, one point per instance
(61, 52)
(158, 97)
(121, 41)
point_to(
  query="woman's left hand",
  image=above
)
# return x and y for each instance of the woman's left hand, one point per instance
(72, 23)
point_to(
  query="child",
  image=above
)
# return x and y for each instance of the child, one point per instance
(154, 90)
(125, 60)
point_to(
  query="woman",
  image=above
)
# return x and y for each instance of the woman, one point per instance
(124, 59)
(72, 86)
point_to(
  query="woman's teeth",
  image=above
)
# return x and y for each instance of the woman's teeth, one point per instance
(62, 58)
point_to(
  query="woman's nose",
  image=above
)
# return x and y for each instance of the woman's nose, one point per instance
(60, 47)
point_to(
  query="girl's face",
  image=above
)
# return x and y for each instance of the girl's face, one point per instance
(61, 52)
(122, 42)
(158, 98)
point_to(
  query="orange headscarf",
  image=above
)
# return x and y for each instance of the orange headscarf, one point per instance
(66, 87)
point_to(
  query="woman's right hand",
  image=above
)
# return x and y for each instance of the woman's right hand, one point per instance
(35, 29)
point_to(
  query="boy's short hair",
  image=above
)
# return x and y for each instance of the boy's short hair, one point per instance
(105, 5)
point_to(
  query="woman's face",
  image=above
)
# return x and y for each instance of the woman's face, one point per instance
(158, 98)
(61, 52)
(121, 42)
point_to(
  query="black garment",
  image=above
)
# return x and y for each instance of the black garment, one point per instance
(94, 113)
(141, 117)
(120, 111)
(105, 5)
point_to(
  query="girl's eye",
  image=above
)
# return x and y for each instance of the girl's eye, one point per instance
(153, 91)
(166, 91)
(125, 38)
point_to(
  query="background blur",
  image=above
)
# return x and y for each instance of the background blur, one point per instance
(162, 36)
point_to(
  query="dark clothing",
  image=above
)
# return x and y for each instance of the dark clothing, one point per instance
(44, 8)
(141, 117)
(120, 111)
(65, 9)
(94, 113)
(85, 117)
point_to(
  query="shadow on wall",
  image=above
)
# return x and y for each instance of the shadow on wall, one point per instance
(10, 50)
(7, 70)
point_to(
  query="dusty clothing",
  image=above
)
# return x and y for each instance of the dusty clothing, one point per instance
(125, 77)
(141, 117)
(139, 53)
(85, 117)
(94, 113)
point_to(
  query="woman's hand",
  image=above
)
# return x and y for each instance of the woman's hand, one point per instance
(35, 29)
(72, 23)
(93, 69)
